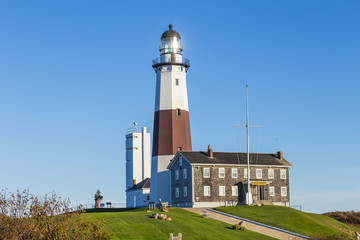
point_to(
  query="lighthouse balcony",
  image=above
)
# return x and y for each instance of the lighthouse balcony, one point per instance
(173, 60)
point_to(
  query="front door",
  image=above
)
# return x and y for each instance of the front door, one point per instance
(260, 192)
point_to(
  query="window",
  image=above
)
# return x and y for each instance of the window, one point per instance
(185, 173)
(178, 112)
(148, 197)
(207, 191)
(180, 161)
(221, 172)
(234, 173)
(177, 82)
(245, 173)
(283, 191)
(221, 190)
(206, 172)
(272, 191)
(179, 149)
(234, 190)
(185, 191)
(177, 192)
(176, 174)
(271, 173)
(283, 173)
(258, 173)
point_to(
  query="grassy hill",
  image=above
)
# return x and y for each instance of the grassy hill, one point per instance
(137, 224)
(309, 224)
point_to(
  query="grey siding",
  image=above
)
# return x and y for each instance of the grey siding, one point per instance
(181, 201)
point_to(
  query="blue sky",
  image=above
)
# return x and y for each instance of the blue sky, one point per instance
(74, 75)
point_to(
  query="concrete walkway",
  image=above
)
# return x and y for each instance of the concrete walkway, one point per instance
(251, 225)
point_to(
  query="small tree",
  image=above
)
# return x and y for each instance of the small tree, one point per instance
(98, 199)
(25, 216)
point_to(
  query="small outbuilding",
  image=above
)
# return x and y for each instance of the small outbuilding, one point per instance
(139, 194)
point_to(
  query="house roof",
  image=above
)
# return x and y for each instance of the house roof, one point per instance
(143, 184)
(233, 158)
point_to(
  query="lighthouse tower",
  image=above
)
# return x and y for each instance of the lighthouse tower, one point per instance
(171, 120)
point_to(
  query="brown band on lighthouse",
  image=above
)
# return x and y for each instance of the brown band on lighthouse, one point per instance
(171, 132)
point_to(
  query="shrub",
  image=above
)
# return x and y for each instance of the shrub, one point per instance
(238, 227)
(25, 216)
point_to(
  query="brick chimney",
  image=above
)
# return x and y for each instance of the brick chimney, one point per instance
(280, 154)
(134, 182)
(210, 152)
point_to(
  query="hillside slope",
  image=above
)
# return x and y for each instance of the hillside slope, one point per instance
(137, 224)
(309, 224)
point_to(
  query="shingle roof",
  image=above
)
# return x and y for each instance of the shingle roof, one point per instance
(199, 157)
(143, 184)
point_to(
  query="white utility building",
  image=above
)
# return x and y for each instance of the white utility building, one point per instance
(138, 164)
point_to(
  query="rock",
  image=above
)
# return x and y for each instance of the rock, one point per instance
(162, 216)
(168, 219)
(155, 215)
(242, 224)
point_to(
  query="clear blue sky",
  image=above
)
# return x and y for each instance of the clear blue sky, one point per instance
(74, 75)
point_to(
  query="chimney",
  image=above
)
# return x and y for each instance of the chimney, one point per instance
(134, 182)
(280, 154)
(210, 152)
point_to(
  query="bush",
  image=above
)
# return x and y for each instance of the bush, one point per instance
(25, 216)
(351, 217)
(238, 227)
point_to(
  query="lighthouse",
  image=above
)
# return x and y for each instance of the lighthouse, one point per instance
(171, 119)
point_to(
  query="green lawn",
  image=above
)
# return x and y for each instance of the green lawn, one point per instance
(137, 224)
(309, 224)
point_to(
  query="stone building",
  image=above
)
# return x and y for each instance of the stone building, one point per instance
(210, 179)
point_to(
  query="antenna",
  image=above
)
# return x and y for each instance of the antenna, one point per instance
(135, 125)
(248, 194)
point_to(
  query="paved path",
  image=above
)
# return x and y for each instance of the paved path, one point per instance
(251, 225)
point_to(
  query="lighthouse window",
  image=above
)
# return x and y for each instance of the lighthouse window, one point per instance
(178, 112)
(177, 82)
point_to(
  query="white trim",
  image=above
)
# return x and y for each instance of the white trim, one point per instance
(281, 170)
(232, 191)
(273, 173)
(232, 173)
(192, 184)
(223, 169)
(272, 195)
(205, 195)
(222, 195)
(204, 173)
(239, 165)
(281, 192)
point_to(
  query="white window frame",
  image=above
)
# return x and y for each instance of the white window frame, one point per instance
(272, 191)
(234, 191)
(283, 191)
(185, 173)
(282, 173)
(177, 194)
(205, 170)
(221, 172)
(176, 174)
(259, 173)
(245, 173)
(222, 191)
(185, 191)
(207, 191)
(271, 173)
(234, 173)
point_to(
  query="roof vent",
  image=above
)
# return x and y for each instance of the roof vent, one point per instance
(280, 155)
(210, 152)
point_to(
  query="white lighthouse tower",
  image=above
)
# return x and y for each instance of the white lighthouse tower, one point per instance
(171, 120)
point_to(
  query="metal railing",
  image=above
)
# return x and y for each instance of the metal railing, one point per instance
(171, 60)
(103, 205)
